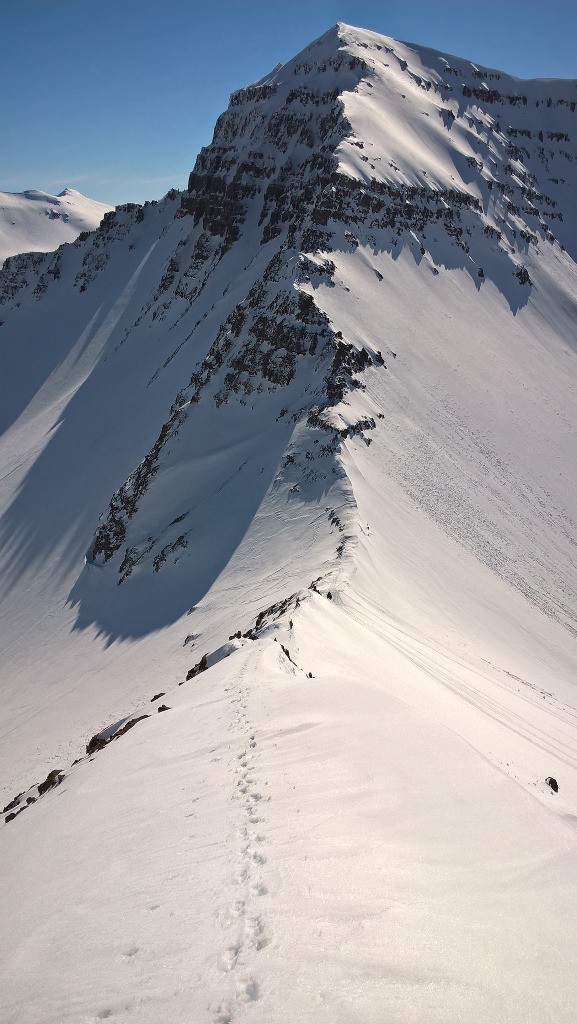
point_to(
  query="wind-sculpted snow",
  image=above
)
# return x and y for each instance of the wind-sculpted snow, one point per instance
(293, 450)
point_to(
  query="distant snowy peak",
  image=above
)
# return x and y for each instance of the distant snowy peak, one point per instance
(34, 221)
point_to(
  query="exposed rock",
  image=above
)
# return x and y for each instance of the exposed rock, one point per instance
(200, 666)
(102, 739)
(286, 653)
(13, 803)
(54, 778)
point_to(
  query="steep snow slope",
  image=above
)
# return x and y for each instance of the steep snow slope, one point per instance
(35, 221)
(324, 404)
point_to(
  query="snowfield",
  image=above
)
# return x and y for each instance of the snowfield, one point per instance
(34, 221)
(289, 521)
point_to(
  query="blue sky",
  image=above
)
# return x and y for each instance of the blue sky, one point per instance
(116, 97)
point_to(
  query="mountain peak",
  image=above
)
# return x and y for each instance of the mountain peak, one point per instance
(293, 450)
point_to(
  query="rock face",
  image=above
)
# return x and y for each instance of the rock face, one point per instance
(358, 144)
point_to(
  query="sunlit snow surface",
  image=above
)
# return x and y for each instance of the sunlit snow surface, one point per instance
(34, 221)
(344, 820)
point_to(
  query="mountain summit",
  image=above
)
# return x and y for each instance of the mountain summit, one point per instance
(289, 457)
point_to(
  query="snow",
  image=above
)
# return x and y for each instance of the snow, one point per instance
(344, 816)
(278, 841)
(34, 221)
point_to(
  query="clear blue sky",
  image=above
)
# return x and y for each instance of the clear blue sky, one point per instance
(116, 97)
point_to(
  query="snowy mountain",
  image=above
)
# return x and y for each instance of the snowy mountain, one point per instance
(289, 457)
(35, 221)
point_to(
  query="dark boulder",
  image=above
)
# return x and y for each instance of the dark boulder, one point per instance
(201, 666)
(54, 778)
(102, 739)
